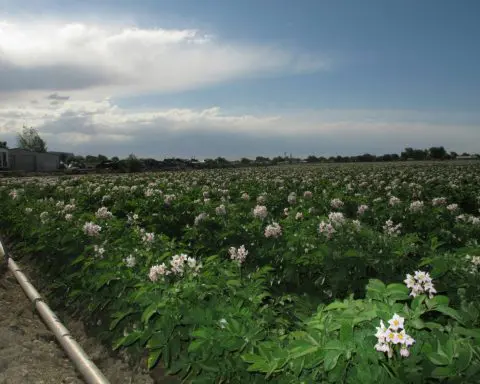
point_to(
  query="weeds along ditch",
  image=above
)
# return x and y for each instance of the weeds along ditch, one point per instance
(352, 274)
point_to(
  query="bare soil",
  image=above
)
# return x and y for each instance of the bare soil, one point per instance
(30, 354)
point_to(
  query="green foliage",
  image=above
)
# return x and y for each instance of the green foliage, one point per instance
(30, 140)
(302, 307)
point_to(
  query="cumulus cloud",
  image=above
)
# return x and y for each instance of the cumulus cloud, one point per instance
(102, 127)
(113, 60)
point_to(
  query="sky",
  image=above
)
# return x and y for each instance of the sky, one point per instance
(241, 78)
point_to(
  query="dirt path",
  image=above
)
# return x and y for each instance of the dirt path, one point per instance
(29, 353)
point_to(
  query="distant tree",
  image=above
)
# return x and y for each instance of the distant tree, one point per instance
(465, 154)
(453, 155)
(437, 153)
(261, 159)
(90, 159)
(115, 159)
(366, 157)
(30, 140)
(245, 161)
(133, 164)
(102, 158)
(312, 159)
(3, 144)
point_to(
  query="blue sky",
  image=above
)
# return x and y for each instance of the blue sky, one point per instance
(409, 66)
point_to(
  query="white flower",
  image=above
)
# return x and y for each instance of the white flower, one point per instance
(404, 352)
(130, 261)
(273, 230)
(260, 212)
(91, 229)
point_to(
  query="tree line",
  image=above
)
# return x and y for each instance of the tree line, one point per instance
(30, 139)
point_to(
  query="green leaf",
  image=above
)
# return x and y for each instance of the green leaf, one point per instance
(442, 372)
(438, 359)
(302, 348)
(127, 340)
(119, 316)
(417, 301)
(153, 357)
(464, 358)
(449, 312)
(436, 301)
(195, 345)
(334, 345)
(397, 288)
(331, 358)
(475, 332)
(417, 323)
(336, 305)
(148, 313)
(346, 332)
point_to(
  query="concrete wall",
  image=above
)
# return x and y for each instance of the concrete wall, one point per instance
(21, 160)
(47, 162)
(3, 158)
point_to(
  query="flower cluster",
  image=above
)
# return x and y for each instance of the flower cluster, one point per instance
(239, 254)
(292, 198)
(178, 264)
(416, 206)
(201, 217)
(395, 334)
(307, 195)
(260, 212)
(437, 201)
(130, 261)
(273, 230)
(103, 213)
(420, 283)
(91, 229)
(394, 201)
(148, 237)
(474, 262)
(221, 210)
(362, 209)
(335, 220)
(336, 203)
(391, 229)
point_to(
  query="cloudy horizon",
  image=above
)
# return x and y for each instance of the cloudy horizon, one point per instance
(207, 79)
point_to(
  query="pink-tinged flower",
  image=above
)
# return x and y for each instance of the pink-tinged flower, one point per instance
(245, 196)
(336, 203)
(158, 271)
(260, 212)
(148, 237)
(273, 230)
(103, 213)
(239, 254)
(91, 229)
(307, 195)
(437, 201)
(404, 352)
(362, 209)
(452, 207)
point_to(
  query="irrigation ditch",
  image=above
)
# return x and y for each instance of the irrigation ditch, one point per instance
(36, 347)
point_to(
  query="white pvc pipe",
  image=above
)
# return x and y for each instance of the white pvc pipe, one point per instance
(85, 366)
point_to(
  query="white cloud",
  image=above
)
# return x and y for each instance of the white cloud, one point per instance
(112, 60)
(102, 127)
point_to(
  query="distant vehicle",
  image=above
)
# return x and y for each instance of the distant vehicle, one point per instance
(108, 165)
